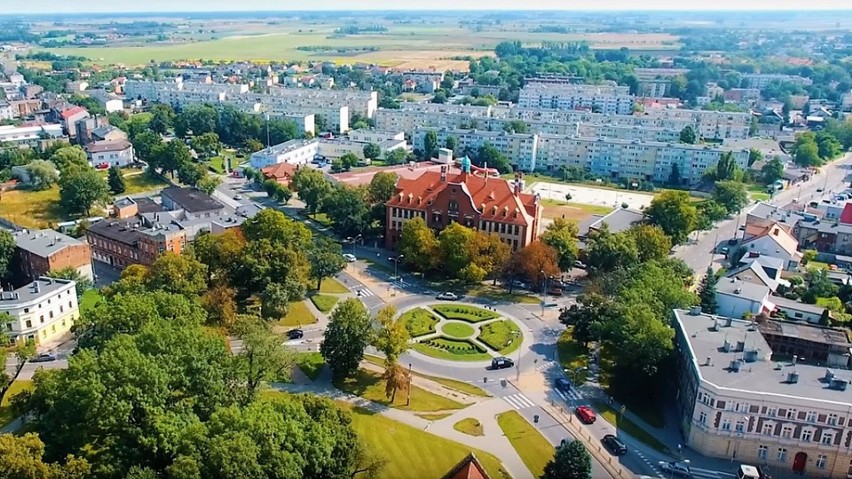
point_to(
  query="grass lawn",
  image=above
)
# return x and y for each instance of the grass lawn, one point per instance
(324, 302)
(452, 349)
(141, 182)
(459, 386)
(322, 219)
(572, 356)
(817, 265)
(411, 452)
(332, 286)
(419, 321)
(6, 414)
(298, 314)
(758, 192)
(570, 210)
(457, 330)
(471, 314)
(469, 426)
(370, 386)
(32, 209)
(626, 425)
(311, 364)
(90, 298)
(533, 448)
(503, 336)
(217, 164)
(496, 293)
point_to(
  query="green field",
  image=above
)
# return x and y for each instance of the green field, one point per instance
(461, 312)
(298, 314)
(572, 357)
(324, 302)
(311, 364)
(91, 297)
(419, 321)
(6, 414)
(469, 426)
(503, 336)
(457, 330)
(370, 386)
(533, 448)
(332, 286)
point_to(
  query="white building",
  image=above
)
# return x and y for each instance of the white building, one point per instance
(42, 310)
(29, 135)
(295, 152)
(6, 111)
(112, 153)
(607, 99)
(763, 80)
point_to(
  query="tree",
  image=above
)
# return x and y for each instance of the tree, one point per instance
(221, 253)
(177, 274)
(162, 118)
(208, 183)
(806, 151)
(707, 292)
(687, 135)
(190, 173)
(68, 157)
(454, 247)
(326, 259)
(452, 143)
(726, 167)
(7, 251)
(430, 145)
(206, 145)
(81, 189)
(733, 195)
(263, 357)
(274, 301)
(348, 209)
(172, 155)
(754, 155)
(220, 305)
(198, 119)
(644, 339)
(253, 145)
(674, 212)
(372, 151)
(116, 181)
(345, 338)
(396, 378)
(651, 242)
(488, 254)
(607, 251)
(675, 178)
(22, 456)
(772, 171)
(809, 255)
(392, 337)
(396, 156)
(535, 262)
(440, 97)
(561, 235)
(571, 461)
(828, 147)
(312, 187)
(491, 156)
(349, 160)
(82, 283)
(42, 174)
(382, 187)
(418, 245)
(145, 144)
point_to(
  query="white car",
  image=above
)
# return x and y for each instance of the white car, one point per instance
(675, 468)
(447, 296)
(349, 257)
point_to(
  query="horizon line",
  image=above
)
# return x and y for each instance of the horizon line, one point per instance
(466, 9)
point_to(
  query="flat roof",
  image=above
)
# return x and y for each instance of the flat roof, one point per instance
(762, 376)
(807, 332)
(45, 242)
(191, 199)
(620, 219)
(46, 286)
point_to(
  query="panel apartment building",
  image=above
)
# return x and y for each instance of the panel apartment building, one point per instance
(769, 393)
(607, 99)
(603, 157)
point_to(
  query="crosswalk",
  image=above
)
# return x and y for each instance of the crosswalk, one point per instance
(363, 293)
(573, 394)
(704, 474)
(547, 364)
(519, 401)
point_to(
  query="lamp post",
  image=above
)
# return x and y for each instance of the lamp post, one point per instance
(396, 265)
(408, 395)
(577, 370)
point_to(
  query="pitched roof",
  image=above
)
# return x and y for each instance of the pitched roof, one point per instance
(493, 198)
(279, 171)
(468, 468)
(756, 269)
(780, 236)
(846, 215)
(107, 145)
(66, 114)
(620, 219)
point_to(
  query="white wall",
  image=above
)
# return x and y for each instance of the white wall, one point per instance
(112, 158)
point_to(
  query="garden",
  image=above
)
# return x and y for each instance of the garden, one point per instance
(444, 347)
(503, 336)
(419, 322)
(471, 314)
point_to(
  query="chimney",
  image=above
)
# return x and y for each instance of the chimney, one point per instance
(443, 174)
(485, 168)
(36, 286)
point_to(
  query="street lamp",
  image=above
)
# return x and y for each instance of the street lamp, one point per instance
(577, 370)
(396, 264)
(408, 397)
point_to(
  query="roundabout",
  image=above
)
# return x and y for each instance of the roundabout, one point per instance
(457, 330)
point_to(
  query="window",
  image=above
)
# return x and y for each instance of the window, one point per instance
(41, 318)
(832, 419)
(820, 462)
(26, 310)
(51, 315)
(787, 431)
(811, 417)
(772, 412)
(762, 451)
(782, 454)
(791, 414)
(702, 417)
(740, 427)
(827, 437)
(807, 435)
(29, 324)
(768, 429)
(726, 425)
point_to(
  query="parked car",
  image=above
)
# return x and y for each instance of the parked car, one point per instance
(675, 468)
(295, 334)
(555, 291)
(501, 363)
(586, 414)
(447, 296)
(349, 257)
(238, 197)
(562, 384)
(43, 358)
(579, 264)
(614, 445)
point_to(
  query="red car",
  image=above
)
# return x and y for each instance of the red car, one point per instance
(586, 415)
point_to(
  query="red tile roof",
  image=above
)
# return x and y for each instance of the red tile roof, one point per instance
(468, 468)
(494, 198)
(846, 215)
(279, 171)
(72, 111)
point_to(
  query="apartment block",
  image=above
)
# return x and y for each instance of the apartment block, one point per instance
(29, 135)
(38, 252)
(763, 80)
(769, 393)
(519, 148)
(122, 243)
(41, 311)
(607, 99)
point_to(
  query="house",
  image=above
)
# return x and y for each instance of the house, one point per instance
(122, 243)
(40, 311)
(111, 153)
(810, 344)
(38, 252)
(797, 310)
(69, 117)
(467, 468)
(777, 242)
(280, 172)
(754, 272)
(735, 298)
(194, 202)
(128, 207)
(490, 204)
(108, 133)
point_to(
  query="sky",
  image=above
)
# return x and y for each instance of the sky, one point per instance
(65, 6)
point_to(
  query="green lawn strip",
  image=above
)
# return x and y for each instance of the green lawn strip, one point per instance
(469, 426)
(332, 286)
(90, 298)
(503, 336)
(457, 330)
(323, 302)
(419, 321)
(494, 293)
(411, 452)
(6, 414)
(370, 386)
(434, 416)
(459, 386)
(462, 312)
(217, 164)
(626, 425)
(572, 356)
(298, 314)
(311, 364)
(378, 265)
(758, 192)
(817, 265)
(453, 349)
(533, 448)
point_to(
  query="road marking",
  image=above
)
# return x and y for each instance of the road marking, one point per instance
(518, 401)
(573, 394)
(364, 293)
(545, 365)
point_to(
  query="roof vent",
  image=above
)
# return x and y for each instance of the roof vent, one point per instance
(726, 346)
(734, 367)
(695, 310)
(750, 356)
(740, 346)
(792, 377)
(839, 384)
(829, 375)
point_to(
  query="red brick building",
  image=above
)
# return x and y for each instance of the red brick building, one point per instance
(39, 252)
(492, 205)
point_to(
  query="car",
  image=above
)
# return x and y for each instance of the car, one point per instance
(349, 257)
(447, 296)
(586, 414)
(614, 445)
(295, 334)
(579, 264)
(555, 291)
(819, 190)
(44, 358)
(501, 363)
(238, 197)
(562, 384)
(675, 468)
(742, 228)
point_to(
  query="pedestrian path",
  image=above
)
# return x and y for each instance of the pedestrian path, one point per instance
(519, 401)
(363, 292)
(573, 394)
(547, 364)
